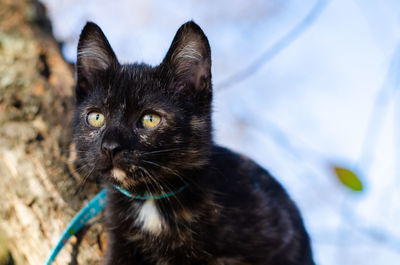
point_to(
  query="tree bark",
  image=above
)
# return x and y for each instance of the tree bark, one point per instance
(39, 188)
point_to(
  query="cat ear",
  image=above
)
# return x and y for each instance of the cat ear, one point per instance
(190, 57)
(94, 56)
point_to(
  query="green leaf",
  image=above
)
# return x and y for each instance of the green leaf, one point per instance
(348, 178)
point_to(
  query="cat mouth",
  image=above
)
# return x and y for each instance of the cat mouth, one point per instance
(125, 175)
(111, 167)
(118, 174)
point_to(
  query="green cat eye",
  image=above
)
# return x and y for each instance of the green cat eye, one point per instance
(95, 118)
(150, 121)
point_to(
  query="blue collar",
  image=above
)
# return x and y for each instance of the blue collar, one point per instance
(150, 196)
(95, 206)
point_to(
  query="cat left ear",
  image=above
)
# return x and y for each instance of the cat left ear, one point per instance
(94, 55)
(190, 57)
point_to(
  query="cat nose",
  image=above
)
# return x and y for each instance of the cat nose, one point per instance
(110, 147)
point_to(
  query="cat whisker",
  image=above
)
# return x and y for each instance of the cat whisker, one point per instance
(159, 183)
(168, 169)
(86, 177)
(80, 168)
(162, 151)
(82, 182)
(148, 189)
(156, 184)
(167, 186)
(72, 151)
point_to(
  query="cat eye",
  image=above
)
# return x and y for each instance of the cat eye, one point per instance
(150, 121)
(95, 119)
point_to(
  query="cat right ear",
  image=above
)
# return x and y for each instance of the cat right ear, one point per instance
(189, 57)
(95, 55)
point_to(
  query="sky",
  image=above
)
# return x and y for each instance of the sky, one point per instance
(323, 94)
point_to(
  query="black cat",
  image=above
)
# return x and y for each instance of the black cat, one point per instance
(174, 196)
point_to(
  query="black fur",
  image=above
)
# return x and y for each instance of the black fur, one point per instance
(232, 212)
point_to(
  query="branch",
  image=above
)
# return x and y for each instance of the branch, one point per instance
(275, 49)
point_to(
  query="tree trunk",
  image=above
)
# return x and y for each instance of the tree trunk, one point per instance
(39, 188)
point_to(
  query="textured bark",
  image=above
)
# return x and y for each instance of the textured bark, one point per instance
(39, 188)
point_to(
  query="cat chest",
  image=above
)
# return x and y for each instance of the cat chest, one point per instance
(152, 227)
(149, 218)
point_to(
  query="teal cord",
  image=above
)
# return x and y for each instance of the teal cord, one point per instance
(148, 196)
(95, 206)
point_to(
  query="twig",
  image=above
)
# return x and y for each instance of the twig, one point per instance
(391, 84)
(275, 49)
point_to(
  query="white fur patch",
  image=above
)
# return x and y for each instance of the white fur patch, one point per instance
(144, 137)
(149, 218)
(118, 174)
(190, 51)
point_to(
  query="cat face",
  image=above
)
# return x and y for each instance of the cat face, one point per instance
(139, 126)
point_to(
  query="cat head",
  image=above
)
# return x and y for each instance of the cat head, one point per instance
(140, 126)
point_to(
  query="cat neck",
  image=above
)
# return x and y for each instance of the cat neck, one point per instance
(165, 212)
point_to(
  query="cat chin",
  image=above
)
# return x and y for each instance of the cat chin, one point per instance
(119, 175)
(124, 178)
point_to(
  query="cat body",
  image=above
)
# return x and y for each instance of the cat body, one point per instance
(148, 131)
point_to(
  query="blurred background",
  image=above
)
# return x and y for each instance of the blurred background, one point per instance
(309, 89)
